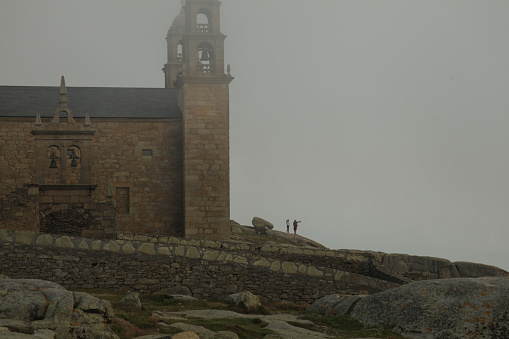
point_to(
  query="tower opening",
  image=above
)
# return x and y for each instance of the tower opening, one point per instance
(205, 58)
(203, 21)
(180, 56)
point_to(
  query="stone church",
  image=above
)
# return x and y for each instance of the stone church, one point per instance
(95, 162)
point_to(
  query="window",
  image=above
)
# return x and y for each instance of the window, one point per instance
(146, 152)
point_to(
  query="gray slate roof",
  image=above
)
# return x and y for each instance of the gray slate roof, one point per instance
(98, 102)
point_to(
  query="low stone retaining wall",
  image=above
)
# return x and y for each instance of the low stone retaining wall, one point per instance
(207, 268)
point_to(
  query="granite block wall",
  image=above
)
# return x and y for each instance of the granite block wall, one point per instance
(141, 158)
(149, 264)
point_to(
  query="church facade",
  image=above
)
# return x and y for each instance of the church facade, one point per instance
(97, 161)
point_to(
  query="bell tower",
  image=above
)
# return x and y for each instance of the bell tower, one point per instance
(204, 102)
(174, 40)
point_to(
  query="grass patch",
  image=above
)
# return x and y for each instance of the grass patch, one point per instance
(130, 323)
(288, 307)
(345, 325)
(159, 300)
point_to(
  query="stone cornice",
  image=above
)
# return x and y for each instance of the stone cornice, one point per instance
(67, 187)
(63, 132)
(203, 80)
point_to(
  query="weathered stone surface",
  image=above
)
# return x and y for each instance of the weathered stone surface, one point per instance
(314, 272)
(96, 245)
(473, 270)
(225, 335)
(163, 251)
(210, 255)
(112, 246)
(35, 305)
(275, 266)
(84, 245)
(193, 253)
(245, 300)
(289, 268)
(279, 323)
(240, 260)
(128, 248)
(186, 335)
(147, 248)
(64, 242)
(326, 304)
(44, 240)
(448, 308)
(261, 225)
(262, 263)
(346, 305)
(201, 331)
(421, 268)
(131, 299)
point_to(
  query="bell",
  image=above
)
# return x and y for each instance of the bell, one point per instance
(73, 162)
(53, 164)
(205, 56)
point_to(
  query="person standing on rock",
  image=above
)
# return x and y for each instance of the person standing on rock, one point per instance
(287, 225)
(295, 225)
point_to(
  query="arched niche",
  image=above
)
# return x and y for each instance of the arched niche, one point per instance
(203, 24)
(180, 51)
(206, 57)
(53, 154)
(73, 165)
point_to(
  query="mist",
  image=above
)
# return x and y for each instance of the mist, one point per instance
(381, 125)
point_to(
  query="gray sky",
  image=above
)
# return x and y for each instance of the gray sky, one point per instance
(382, 125)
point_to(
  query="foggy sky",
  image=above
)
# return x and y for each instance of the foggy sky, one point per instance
(382, 125)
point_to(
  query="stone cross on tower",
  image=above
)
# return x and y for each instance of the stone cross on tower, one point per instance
(63, 109)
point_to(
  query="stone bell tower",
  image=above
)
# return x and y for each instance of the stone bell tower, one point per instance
(196, 67)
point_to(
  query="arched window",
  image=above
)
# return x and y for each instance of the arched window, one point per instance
(180, 55)
(205, 58)
(54, 156)
(73, 167)
(203, 21)
(53, 174)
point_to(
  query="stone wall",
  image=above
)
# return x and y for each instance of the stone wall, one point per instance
(207, 268)
(205, 108)
(20, 209)
(17, 154)
(141, 158)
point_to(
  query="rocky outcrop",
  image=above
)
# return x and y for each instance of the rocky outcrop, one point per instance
(31, 306)
(326, 304)
(261, 225)
(447, 308)
(131, 300)
(421, 268)
(247, 301)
